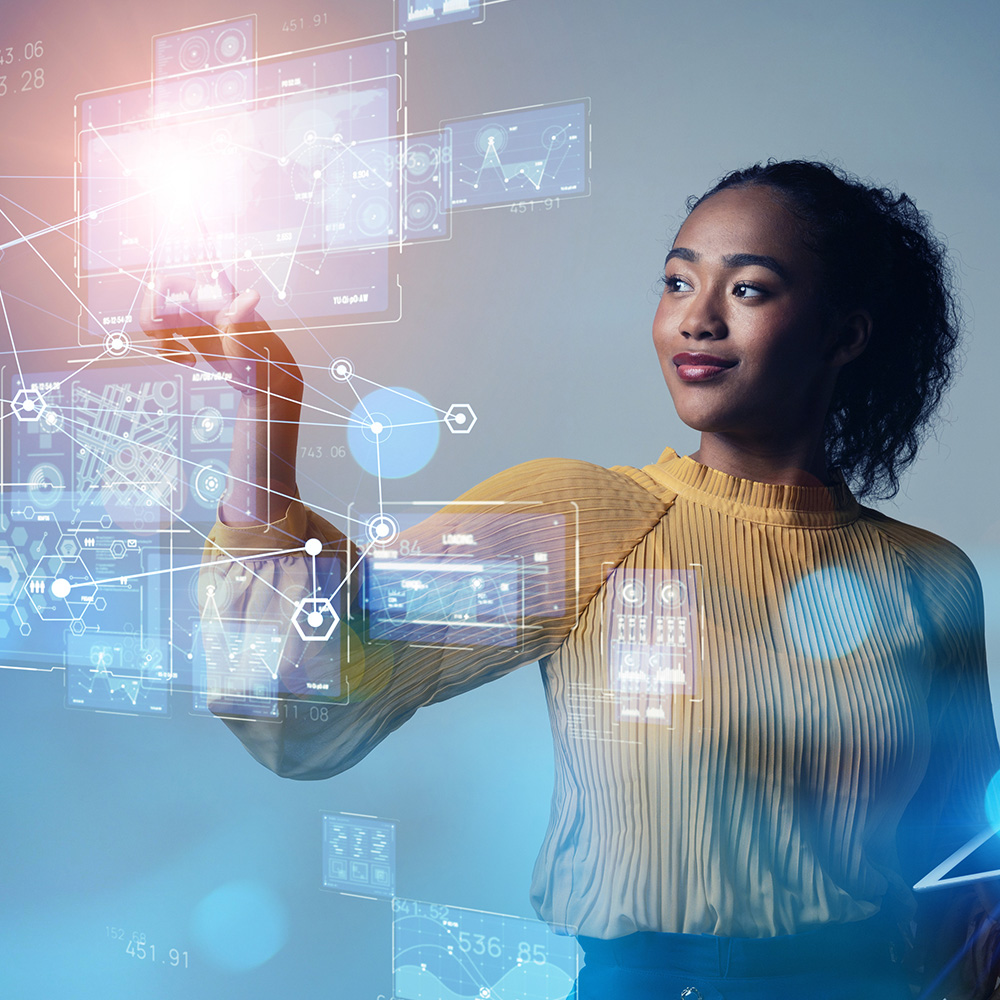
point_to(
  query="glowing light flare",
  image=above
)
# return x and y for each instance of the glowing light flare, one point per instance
(196, 181)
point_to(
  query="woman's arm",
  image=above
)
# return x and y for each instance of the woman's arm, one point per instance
(547, 532)
(495, 580)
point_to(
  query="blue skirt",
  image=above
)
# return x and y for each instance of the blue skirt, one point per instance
(840, 962)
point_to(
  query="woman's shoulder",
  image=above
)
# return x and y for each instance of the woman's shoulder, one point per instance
(572, 480)
(940, 565)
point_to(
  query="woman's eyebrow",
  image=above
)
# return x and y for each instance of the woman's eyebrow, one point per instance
(734, 260)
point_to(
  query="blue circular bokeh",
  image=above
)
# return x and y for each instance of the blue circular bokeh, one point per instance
(240, 925)
(830, 613)
(408, 438)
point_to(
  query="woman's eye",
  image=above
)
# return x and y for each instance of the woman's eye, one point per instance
(743, 290)
(675, 284)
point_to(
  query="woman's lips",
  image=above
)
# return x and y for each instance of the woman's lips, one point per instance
(700, 367)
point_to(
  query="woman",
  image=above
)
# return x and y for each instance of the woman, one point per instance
(747, 821)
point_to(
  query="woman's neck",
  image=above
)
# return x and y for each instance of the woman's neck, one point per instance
(790, 464)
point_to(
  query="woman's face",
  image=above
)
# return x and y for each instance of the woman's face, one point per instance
(746, 345)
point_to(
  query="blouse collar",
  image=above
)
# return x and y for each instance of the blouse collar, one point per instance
(764, 503)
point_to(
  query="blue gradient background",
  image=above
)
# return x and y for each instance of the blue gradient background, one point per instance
(540, 321)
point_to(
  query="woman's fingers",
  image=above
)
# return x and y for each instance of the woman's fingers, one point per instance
(159, 325)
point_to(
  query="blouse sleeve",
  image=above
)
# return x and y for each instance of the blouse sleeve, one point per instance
(548, 530)
(953, 926)
(949, 807)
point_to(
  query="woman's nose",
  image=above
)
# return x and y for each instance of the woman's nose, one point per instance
(702, 318)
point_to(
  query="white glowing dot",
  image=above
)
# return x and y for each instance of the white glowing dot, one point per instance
(315, 619)
(29, 405)
(382, 529)
(317, 174)
(313, 547)
(60, 588)
(282, 295)
(93, 214)
(342, 370)
(376, 427)
(459, 418)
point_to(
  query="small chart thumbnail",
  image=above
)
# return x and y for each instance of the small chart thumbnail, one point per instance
(430, 13)
(359, 854)
(522, 155)
(448, 952)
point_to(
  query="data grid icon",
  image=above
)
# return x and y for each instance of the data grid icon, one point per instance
(359, 855)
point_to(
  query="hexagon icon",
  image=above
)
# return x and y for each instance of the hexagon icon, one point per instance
(11, 572)
(460, 418)
(318, 616)
(63, 594)
(27, 404)
(68, 546)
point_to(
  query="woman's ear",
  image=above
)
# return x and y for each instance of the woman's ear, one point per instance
(850, 337)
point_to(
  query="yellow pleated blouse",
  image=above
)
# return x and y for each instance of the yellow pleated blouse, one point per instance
(834, 745)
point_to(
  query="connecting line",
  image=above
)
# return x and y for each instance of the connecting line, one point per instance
(58, 227)
(83, 367)
(273, 553)
(361, 558)
(350, 382)
(51, 268)
(10, 333)
(283, 291)
(396, 392)
(378, 468)
(145, 351)
(420, 423)
(45, 312)
(126, 171)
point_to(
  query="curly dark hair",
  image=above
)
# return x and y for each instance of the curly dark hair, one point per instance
(880, 254)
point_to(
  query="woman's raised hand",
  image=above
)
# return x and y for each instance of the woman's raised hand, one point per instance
(225, 330)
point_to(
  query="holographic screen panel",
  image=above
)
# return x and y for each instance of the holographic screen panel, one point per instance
(448, 951)
(266, 181)
(529, 154)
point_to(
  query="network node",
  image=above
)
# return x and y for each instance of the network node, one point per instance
(313, 547)
(460, 418)
(341, 369)
(28, 404)
(317, 615)
(117, 344)
(382, 529)
(376, 428)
